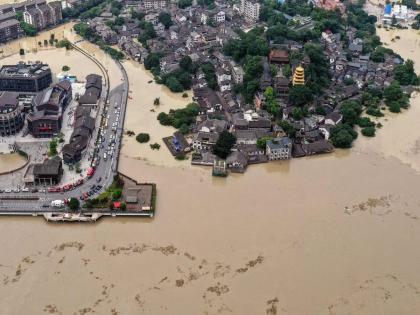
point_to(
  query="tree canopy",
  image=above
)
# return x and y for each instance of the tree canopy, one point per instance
(342, 136)
(224, 144)
(165, 19)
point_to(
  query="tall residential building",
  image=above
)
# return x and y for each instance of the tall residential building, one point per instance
(9, 26)
(41, 14)
(155, 4)
(250, 9)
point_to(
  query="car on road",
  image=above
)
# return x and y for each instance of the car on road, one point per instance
(45, 205)
(34, 190)
(82, 198)
(7, 190)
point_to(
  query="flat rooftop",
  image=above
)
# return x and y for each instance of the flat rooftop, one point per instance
(24, 70)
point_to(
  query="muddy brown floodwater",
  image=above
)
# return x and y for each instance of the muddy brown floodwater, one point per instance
(333, 234)
(10, 162)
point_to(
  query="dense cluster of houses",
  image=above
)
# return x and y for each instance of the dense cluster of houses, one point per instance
(200, 33)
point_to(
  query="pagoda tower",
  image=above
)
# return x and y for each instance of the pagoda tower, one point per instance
(299, 76)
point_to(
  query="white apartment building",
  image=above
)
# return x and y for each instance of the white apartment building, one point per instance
(250, 9)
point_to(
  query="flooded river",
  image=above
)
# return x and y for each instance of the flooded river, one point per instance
(333, 234)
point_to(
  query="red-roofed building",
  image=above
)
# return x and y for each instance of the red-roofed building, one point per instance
(279, 56)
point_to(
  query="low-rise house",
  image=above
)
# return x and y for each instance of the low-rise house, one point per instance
(49, 172)
(237, 73)
(237, 162)
(260, 124)
(205, 140)
(318, 147)
(333, 118)
(281, 85)
(279, 56)
(93, 90)
(279, 149)
(213, 125)
(79, 140)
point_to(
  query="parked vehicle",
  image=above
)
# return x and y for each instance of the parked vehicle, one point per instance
(57, 203)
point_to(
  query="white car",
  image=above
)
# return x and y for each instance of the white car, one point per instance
(25, 190)
(7, 190)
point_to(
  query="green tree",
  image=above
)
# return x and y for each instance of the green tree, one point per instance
(224, 144)
(165, 19)
(271, 103)
(74, 204)
(405, 74)
(173, 84)
(369, 131)
(297, 113)
(116, 194)
(351, 111)
(143, 137)
(209, 74)
(21, 51)
(300, 95)
(395, 98)
(182, 4)
(65, 68)
(261, 142)
(152, 61)
(287, 128)
(186, 63)
(342, 136)
(53, 148)
(28, 29)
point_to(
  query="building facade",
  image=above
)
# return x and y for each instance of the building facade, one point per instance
(25, 77)
(48, 106)
(250, 9)
(9, 27)
(155, 4)
(41, 14)
(279, 149)
(11, 117)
